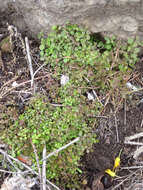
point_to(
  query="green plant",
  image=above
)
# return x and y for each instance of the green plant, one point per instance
(90, 63)
(56, 126)
(67, 45)
(73, 49)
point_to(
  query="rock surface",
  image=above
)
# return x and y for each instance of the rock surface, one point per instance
(121, 17)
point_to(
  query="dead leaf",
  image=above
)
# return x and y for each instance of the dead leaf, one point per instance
(25, 160)
(6, 45)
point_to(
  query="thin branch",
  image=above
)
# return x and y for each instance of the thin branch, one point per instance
(22, 92)
(134, 91)
(62, 148)
(116, 125)
(37, 161)
(133, 143)
(95, 94)
(12, 164)
(1, 62)
(38, 70)
(29, 60)
(99, 116)
(9, 172)
(32, 78)
(116, 56)
(10, 81)
(138, 152)
(21, 84)
(57, 105)
(118, 185)
(141, 123)
(125, 113)
(138, 135)
(53, 185)
(132, 167)
(44, 169)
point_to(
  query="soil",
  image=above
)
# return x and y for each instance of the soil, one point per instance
(113, 125)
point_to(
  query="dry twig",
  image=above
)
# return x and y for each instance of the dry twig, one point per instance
(38, 70)
(133, 143)
(128, 140)
(116, 125)
(95, 94)
(62, 148)
(21, 84)
(7, 83)
(125, 113)
(27, 167)
(37, 161)
(136, 136)
(116, 56)
(138, 152)
(127, 178)
(13, 164)
(44, 169)
(131, 167)
(6, 171)
(29, 60)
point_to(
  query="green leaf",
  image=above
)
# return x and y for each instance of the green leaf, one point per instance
(40, 35)
(42, 47)
(54, 27)
(130, 41)
(108, 47)
(136, 50)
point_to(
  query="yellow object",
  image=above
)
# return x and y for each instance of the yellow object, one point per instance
(117, 162)
(110, 172)
(84, 182)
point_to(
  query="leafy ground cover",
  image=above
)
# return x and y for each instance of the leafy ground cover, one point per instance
(85, 107)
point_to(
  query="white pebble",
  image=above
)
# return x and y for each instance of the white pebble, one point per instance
(130, 86)
(14, 84)
(64, 80)
(90, 96)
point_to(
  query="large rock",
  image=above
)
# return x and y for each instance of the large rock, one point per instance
(121, 17)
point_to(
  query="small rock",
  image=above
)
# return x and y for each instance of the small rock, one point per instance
(14, 84)
(64, 80)
(91, 96)
(131, 86)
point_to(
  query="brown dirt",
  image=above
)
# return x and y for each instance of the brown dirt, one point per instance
(105, 152)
